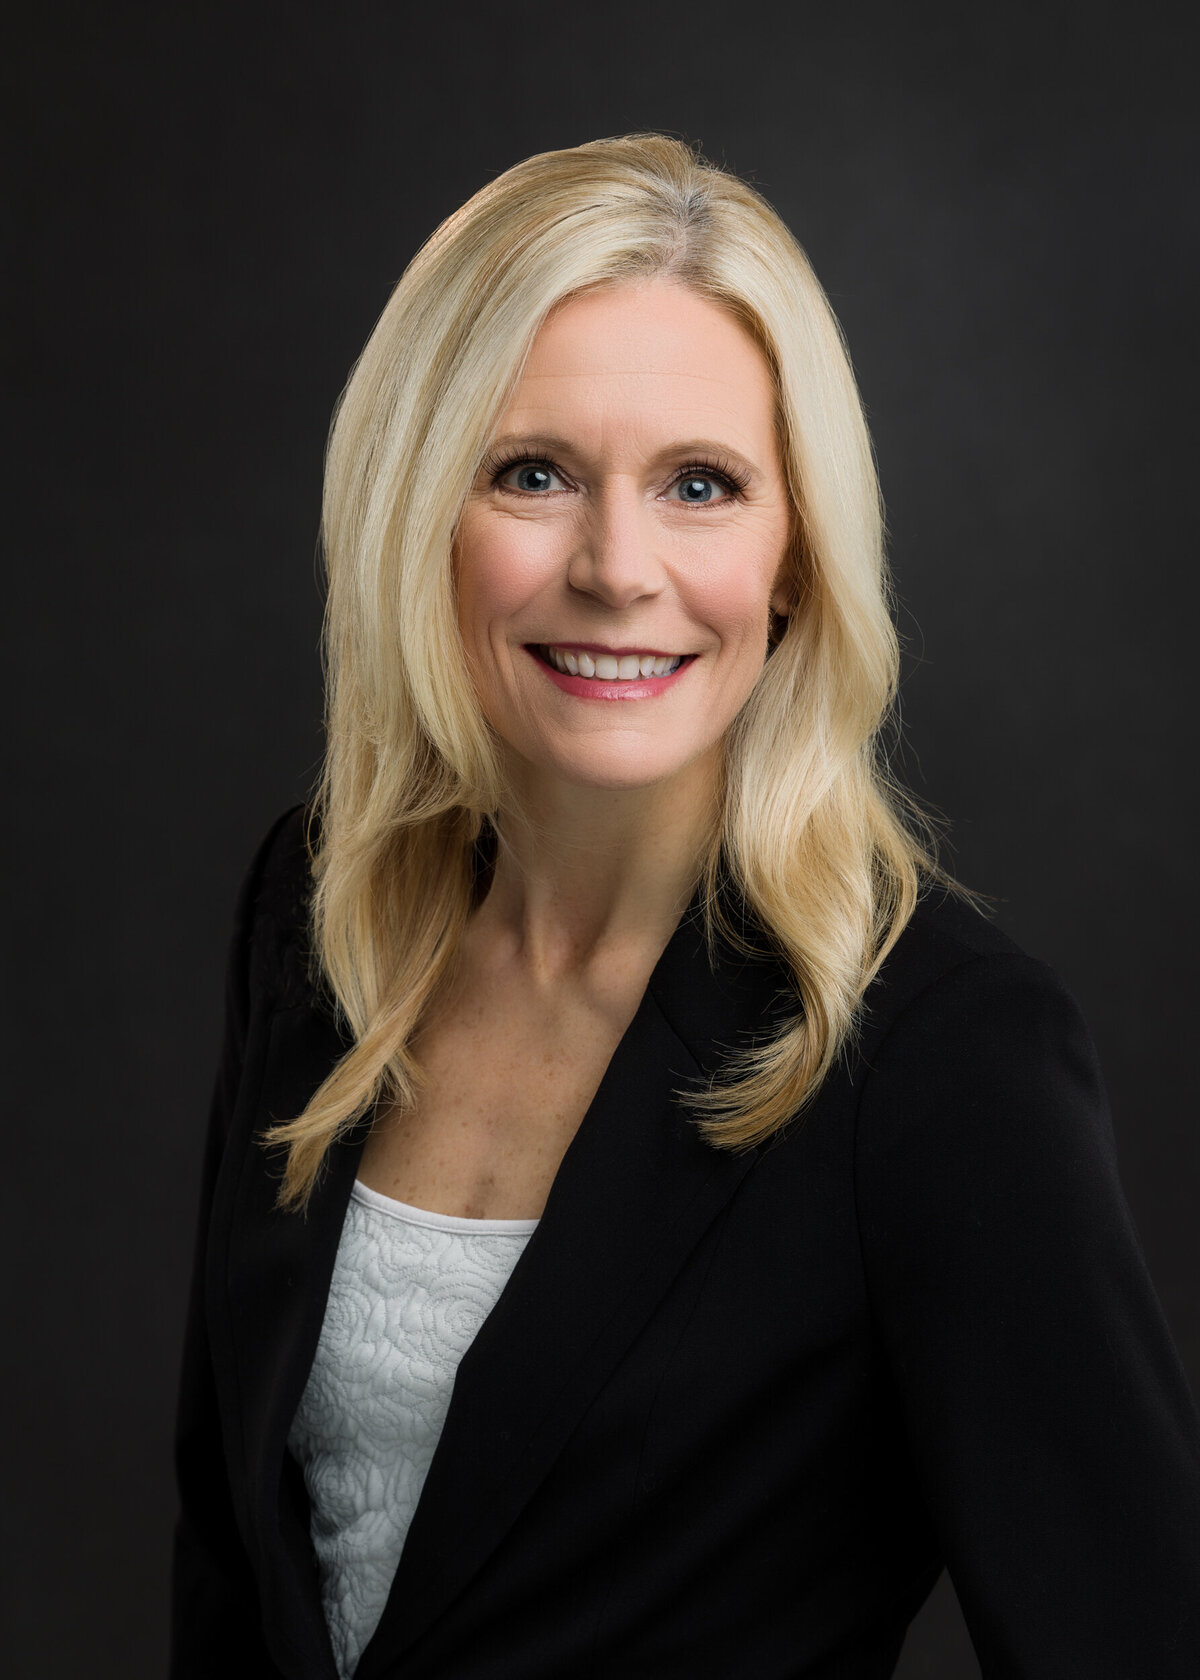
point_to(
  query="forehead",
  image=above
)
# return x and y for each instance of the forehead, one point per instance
(645, 352)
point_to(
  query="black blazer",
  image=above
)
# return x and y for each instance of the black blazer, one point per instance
(732, 1413)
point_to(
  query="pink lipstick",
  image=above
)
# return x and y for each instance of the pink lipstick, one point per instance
(599, 688)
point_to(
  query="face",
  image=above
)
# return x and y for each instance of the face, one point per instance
(623, 545)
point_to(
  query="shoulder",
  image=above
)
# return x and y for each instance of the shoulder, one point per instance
(274, 911)
(945, 931)
(961, 1021)
(976, 1052)
(950, 955)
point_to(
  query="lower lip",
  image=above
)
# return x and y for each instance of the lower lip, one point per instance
(595, 688)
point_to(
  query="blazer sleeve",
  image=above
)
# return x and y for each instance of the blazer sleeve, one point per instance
(1049, 1418)
(215, 1628)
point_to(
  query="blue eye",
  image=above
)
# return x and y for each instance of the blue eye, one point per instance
(698, 485)
(532, 477)
(697, 488)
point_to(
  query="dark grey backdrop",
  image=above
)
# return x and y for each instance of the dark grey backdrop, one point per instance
(211, 206)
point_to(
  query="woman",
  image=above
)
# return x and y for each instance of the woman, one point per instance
(605, 1052)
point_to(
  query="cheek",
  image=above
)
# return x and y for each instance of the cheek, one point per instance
(736, 600)
(499, 571)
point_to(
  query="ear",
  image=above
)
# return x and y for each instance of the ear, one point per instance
(786, 592)
(782, 601)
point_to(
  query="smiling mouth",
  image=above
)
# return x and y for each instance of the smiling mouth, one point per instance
(608, 667)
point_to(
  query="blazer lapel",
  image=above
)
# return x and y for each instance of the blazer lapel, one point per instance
(635, 1193)
(275, 1274)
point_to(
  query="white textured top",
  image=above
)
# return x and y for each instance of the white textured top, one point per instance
(409, 1292)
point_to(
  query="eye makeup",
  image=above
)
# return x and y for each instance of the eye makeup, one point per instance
(500, 462)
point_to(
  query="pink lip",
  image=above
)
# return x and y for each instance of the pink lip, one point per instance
(593, 688)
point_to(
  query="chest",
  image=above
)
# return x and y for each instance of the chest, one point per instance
(508, 1077)
(672, 1293)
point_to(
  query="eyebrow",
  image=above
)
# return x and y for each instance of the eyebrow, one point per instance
(547, 443)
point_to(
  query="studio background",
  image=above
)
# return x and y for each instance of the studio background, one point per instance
(211, 206)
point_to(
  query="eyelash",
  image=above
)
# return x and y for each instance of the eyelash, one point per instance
(722, 470)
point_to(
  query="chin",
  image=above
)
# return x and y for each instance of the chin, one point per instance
(616, 771)
(612, 778)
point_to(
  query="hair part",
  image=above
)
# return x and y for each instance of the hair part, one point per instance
(821, 845)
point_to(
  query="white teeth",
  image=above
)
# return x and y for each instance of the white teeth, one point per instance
(609, 668)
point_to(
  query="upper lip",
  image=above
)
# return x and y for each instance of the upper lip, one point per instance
(616, 652)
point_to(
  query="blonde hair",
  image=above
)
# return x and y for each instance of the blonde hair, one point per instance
(811, 832)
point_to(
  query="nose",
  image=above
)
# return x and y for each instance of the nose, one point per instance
(614, 559)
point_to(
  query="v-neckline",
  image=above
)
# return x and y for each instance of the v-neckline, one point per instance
(576, 1298)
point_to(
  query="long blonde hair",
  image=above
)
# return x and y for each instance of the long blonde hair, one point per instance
(812, 833)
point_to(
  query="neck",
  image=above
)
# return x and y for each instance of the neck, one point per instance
(587, 875)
